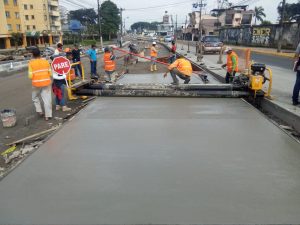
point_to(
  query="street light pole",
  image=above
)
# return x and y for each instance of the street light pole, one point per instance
(99, 25)
(281, 26)
(200, 54)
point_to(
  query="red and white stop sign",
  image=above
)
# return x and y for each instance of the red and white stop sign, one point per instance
(61, 65)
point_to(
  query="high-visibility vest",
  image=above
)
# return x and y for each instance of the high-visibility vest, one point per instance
(109, 65)
(41, 72)
(153, 52)
(230, 62)
(183, 65)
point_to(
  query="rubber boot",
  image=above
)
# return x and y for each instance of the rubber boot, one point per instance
(155, 68)
(151, 68)
(70, 95)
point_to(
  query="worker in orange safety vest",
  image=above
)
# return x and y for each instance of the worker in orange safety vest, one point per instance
(109, 64)
(181, 68)
(232, 65)
(39, 71)
(153, 54)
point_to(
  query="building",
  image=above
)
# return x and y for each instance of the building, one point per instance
(234, 16)
(166, 28)
(209, 24)
(38, 21)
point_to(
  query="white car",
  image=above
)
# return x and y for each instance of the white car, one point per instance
(168, 38)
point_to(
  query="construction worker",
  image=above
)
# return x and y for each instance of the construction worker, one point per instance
(153, 54)
(297, 83)
(181, 68)
(232, 65)
(39, 71)
(92, 54)
(172, 56)
(76, 59)
(109, 63)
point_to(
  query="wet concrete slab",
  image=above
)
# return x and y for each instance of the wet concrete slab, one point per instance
(157, 78)
(159, 161)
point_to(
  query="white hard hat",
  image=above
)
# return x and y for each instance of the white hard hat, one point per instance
(228, 49)
(154, 43)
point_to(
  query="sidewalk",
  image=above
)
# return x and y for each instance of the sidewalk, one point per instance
(261, 50)
(283, 79)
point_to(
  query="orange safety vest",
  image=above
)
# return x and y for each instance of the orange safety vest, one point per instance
(41, 72)
(230, 62)
(183, 65)
(109, 65)
(153, 52)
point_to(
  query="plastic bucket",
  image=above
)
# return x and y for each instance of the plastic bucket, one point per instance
(8, 117)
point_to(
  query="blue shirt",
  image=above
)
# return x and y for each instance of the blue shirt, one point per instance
(92, 53)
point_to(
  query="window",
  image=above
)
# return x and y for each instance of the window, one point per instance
(7, 14)
(27, 17)
(9, 27)
(31, 6)
(45, 17)
(25, 7)
(33, 27)
(5, 2)
(18, 27)
(15, 2)
(28, 27)
(32, 17)
(17, 15)
(44, 6)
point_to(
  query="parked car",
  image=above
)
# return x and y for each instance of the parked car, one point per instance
(168, 38)
(211, 43)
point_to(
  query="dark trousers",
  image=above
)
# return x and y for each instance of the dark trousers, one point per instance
(94, 68)
(296, 88)
(229, 77)
(78, 70)
(175, 72)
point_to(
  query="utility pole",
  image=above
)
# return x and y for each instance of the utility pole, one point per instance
(175, 29)
(200, 55)
(99, 25)
(281, 26)
(121, 13)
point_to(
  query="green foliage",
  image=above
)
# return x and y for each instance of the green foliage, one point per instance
(16, 38)
(266, 22)
(110, 18)
(88, 42)
(85, 16)
(145, 25)
(292, 12)
(259, 13)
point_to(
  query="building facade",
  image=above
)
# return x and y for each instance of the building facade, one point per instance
(37, 21)
(166, 28)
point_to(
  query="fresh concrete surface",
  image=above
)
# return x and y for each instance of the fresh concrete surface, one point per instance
(159, 161)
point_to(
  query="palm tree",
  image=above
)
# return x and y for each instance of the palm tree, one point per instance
(259, 14)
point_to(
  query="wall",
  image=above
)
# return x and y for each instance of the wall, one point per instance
(262, 36)
(12, 20)
(3, 29)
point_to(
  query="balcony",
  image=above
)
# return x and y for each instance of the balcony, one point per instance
(54, 13)
(53, 3)
(55, 23)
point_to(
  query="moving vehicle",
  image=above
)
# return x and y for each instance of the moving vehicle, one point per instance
(168, 38)
(211, 43)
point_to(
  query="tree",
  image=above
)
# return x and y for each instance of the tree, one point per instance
(110, 18)
(85, 16)
(259, 14)
(292, 12)
(266, 22)
(17, 38)
(145, 25)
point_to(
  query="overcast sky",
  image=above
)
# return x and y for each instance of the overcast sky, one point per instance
(181, 8)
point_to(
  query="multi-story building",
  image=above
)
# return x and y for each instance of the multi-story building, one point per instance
(37, 20)
(166, 28)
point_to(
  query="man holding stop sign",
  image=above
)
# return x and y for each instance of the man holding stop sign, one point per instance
(61, 67)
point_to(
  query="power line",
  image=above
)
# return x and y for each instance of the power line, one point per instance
(159, 6)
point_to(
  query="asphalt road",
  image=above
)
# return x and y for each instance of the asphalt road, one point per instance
(271, 61)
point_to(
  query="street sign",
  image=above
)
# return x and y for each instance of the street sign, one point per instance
(61, 65)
